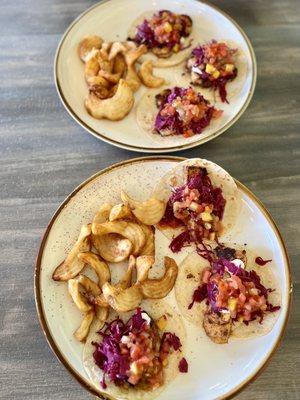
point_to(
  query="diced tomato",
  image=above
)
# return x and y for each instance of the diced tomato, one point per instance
(135, 352)
(188, 133)
(206, 275)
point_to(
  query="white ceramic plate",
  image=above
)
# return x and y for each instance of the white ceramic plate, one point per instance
(111, 20)
(215, 371)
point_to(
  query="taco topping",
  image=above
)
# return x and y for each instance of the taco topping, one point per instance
(134, 353)
(197, 207)
(183, 111)
(164, 33)
(213, 65)
(260, 261)
(232, 291)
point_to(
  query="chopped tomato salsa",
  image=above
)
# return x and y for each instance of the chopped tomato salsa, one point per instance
(164, 32)
(135, 353)
(197, 207)
(228, 287)
(213, 65)
(183, 111)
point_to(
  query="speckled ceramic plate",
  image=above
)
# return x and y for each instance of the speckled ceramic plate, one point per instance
(215, 371)
(111, 20)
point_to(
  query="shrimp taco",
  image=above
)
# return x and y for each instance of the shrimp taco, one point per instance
(202, 203)
(166, 35)
(228, 293)
(136, 355)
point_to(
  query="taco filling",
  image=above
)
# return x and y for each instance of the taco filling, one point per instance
(197, 207)
(213, 66)
(164, 33)
(135, 353)
(232, 293)
(183, 111)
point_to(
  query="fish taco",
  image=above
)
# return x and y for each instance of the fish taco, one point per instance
(228, 293)
(203, 203)
(136, 355)
(166, 35)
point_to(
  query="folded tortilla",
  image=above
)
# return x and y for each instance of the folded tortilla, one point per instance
(171, 61)
(219, 178)
(188, 280)
(155, 309)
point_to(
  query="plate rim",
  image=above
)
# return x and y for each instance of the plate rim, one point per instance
(37, 274)
(101, 136)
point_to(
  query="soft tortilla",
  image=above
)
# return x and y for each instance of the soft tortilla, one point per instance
(146, 113)
(219, 178)
(174, 324)
(171, 61)
(233, 87)
(189, 278)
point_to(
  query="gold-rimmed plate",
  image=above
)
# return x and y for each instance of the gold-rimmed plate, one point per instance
(214, 371)
(111, 20)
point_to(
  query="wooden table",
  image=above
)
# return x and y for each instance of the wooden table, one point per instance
(45, 154)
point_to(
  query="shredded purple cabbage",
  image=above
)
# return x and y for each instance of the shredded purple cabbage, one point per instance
(107, 354)
(174, 123)
(183, 365)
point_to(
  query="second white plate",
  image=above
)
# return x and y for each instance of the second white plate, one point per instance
(111, 20)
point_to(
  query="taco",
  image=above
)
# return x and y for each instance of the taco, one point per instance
(177, 114)
(137, 355)
(228, 293)
(202, 203)
(213, 65)
(166, 35)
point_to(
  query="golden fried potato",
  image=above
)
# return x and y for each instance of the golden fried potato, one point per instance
(119, 65)
(159, 288)
(113, 108)
(112, 247)
(143, 265)
(125, 282)
(130, 230)
(149, 212)
(120, 211)
(99, 266)
(149, 247)
(78, 298)
(122, 300)
(72, 265)
(91, 69)
(147, 77)
(83, 331)
(87, 44)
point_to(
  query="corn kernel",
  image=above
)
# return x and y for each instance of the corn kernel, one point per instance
(134, 368)
(165, 362)
(210, 69)
(232, 303)
(240, 318)
(216, 74)
(206, 217)
(212, 236)
(168, 27)
(229, 67)
(161, 322)
(208, 209)
(176, 48)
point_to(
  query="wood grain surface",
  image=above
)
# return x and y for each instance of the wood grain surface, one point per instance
(45, 154)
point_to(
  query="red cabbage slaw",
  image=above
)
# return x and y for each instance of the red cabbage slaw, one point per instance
(197, 207)
(229, 287)
(183, 111)
(213, 65)
(164, 29)
(121, 357)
